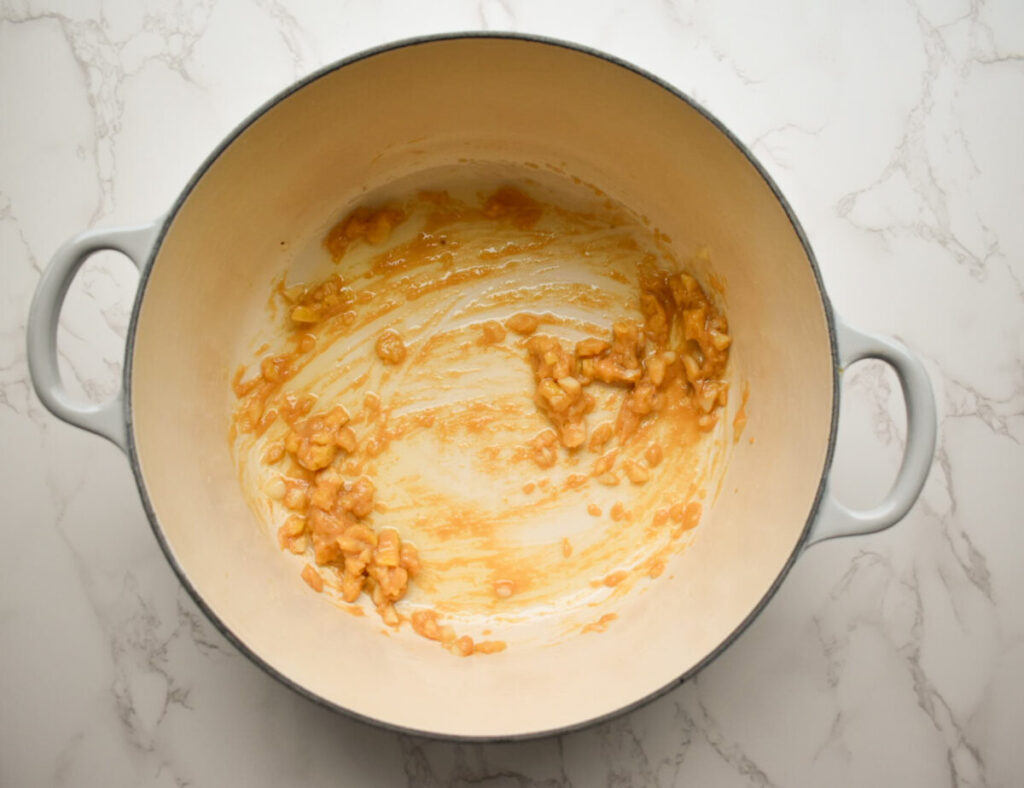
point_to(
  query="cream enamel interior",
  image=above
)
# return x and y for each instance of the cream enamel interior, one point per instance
(382, 118)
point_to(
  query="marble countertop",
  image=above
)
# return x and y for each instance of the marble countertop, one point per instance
(894, 129)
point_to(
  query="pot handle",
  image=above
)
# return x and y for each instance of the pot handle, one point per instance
(835, 519)
(107, 419)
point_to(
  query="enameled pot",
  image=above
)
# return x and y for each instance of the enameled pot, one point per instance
(382, 115)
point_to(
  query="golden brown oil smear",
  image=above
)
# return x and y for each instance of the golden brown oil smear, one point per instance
(601, 624)
(448, 444)
(739, 421)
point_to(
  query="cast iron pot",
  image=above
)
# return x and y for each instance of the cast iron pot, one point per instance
(396, 110)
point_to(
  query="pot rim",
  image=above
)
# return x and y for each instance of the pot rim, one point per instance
(146, 269)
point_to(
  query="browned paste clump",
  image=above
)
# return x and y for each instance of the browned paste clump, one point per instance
(680, 352)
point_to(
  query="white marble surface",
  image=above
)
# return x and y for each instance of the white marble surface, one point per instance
(895, 129)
